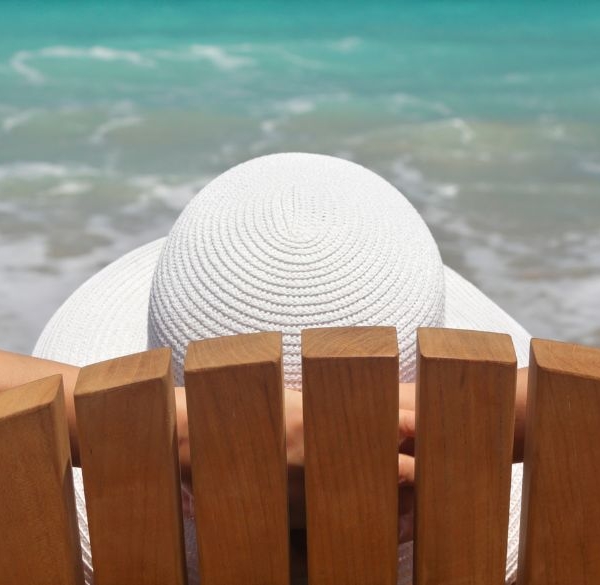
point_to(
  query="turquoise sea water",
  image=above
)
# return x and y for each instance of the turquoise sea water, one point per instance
(486, 115)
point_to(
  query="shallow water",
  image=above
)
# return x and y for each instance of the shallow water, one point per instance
(487, 117)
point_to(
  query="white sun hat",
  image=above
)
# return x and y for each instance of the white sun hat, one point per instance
(280, 243)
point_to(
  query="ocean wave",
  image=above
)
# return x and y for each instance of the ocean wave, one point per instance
(269, 126)
(465, 131)
(404, 101)
(97, 52)
(296, 106)
(174, 195)
(590, 166)
(448, 190)
(219, 57)
(406, 174)
(27, 63)
(467, 134)
(21, 61)
(69, 188)
(101, 131)
(564, 283)
(33, 171)
(347, 44)
(19, 119)
(421, 187)
(19, 64)
(552, 129)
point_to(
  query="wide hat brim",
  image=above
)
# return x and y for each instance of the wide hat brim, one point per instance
(107, 317)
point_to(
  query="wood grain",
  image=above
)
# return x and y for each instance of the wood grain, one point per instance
(234, 393)
(39, 538)
(560, 522)
(126, 424)
(350, 400)
(465, 423)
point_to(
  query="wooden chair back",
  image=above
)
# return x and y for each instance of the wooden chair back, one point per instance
(465, 422)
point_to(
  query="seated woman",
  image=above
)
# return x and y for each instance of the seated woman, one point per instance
(280, 243)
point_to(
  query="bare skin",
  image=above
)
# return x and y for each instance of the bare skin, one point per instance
(19, 369)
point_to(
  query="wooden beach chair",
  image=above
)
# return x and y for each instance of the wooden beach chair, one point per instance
(465, 419)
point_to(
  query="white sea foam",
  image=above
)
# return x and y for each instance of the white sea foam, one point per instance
(100, 133)
(404, 173)
(29, 267)
(467, 134)
(9, 207)
(69, 188)
(269, 126)
(564, 282)
(429, 192)
(219, 57)
(174, 195)
(402, 101)
(21, 61)
(97, 52)
(25, 63)
(33, 171)
(448, 190)
(465, 131)
(552, 129)
(19, 119)
(296, 106)
(347, 44)
(234, 56)
(590, 166)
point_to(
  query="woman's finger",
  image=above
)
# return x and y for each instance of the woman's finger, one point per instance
(406, 424)
(406, 469)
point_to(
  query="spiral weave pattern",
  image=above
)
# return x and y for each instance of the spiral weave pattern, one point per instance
(291, 241)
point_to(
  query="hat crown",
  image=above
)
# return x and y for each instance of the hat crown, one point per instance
(291, 241)
(299, 220)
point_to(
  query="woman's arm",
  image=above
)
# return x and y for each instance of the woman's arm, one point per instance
(17, 369)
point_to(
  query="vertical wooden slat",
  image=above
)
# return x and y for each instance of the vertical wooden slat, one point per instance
(465, 425)
(560, 521)
(129, 453)
(237, 443)
(39, 538)
(350, 398)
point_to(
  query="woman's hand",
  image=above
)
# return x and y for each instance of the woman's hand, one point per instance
(294, 431)
(406, 461)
